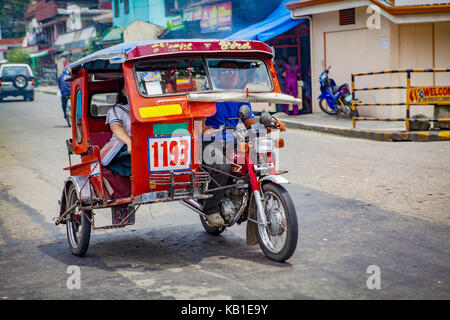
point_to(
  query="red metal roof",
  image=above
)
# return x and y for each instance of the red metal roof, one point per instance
(157, 48)
(33, 7)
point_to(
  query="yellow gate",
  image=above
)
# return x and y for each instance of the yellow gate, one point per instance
(434, 95)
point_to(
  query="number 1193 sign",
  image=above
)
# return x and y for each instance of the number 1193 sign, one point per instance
(169, 153)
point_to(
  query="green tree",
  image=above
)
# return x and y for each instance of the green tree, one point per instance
(17, 55)
(12, 18)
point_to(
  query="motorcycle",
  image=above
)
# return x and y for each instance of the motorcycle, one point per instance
(254, 191)
(335, 99)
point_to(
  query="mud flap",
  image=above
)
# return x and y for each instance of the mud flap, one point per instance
(252, 228)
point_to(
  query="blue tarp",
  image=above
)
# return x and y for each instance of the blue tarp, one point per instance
(277, 23)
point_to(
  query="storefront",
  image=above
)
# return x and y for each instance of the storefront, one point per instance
(291, 40)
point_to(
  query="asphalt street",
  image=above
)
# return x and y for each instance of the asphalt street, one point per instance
(362, 206)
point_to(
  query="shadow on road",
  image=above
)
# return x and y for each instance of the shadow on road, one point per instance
(159, 249)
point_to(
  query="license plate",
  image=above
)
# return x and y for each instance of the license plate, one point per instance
(169, 153)
(348, 98)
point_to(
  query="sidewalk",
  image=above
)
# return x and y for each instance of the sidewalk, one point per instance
(342, 125)
(373, 130)
(47, 89)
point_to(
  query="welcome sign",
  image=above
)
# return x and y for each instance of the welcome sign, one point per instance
(429, 95)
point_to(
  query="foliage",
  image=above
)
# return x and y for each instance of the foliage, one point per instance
(17, 55)
(93, 46)
(12, 18)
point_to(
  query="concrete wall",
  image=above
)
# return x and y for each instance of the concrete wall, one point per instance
(157, 13)
(138, 10)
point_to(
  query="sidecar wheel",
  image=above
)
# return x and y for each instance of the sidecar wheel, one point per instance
(78, 225)
(215, 231)
(278, 240)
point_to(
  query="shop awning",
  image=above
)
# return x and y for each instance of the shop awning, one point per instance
(115, 35)
(40, 54)
(277, 23)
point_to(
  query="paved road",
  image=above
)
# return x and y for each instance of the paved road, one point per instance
(360, 203)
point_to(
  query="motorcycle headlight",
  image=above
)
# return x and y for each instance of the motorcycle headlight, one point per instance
(264, 145)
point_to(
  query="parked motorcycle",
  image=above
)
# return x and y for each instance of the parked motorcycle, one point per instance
(255, 192)
(334, 99)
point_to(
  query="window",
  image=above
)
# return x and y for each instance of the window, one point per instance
(346, 17)
(15, 71)
(239, 74)
(101, 103)
(116, 8)
(126, 7)
(190, 75)
(78, 117)
(169, 77)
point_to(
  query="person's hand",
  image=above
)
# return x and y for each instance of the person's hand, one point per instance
(281, 125)
(129, 147)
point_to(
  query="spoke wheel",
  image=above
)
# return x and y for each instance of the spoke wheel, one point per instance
(325, 107)
(278, 239)
(78, 225)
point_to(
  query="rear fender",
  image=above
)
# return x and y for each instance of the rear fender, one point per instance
(274, 179)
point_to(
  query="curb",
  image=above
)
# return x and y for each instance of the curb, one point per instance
(418, 136)
(46, 91)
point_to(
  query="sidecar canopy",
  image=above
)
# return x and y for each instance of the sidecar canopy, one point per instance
(109, 59)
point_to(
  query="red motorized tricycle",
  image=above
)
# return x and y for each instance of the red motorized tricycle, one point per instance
(172, 88)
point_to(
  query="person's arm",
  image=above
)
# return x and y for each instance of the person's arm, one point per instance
(249, 122)
(120, 133)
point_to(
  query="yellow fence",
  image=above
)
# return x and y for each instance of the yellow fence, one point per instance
(436, 95)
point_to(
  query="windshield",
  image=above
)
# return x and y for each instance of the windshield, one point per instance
(15, 71)
(239, 74)
(176, 76)
(190, 75)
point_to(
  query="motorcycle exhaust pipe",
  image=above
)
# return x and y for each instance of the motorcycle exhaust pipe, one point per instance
(194, 205)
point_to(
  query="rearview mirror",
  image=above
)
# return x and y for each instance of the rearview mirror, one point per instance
(244, 111)
(266, 119)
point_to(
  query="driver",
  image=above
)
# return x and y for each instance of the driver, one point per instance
(227, 79)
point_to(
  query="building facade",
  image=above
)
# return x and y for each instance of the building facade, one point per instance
(57, 32)
(369, 36)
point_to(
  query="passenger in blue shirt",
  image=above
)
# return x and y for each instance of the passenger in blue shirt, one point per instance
(64, 88)
(228, 80)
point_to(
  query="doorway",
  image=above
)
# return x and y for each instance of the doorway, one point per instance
(296, 43)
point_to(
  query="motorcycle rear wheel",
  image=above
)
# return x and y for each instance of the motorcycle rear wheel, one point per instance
(279, 239)
(323, 104)
(215, 231)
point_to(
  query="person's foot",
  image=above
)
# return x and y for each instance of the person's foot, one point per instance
(215, 220)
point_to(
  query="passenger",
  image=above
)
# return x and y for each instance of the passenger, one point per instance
(118, 118)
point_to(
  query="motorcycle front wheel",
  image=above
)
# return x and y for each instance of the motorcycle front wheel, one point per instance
(278, 240)
(325, 107)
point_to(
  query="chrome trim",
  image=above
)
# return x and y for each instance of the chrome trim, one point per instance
(275, 179)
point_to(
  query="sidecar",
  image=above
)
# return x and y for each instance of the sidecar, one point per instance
(171, 91)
